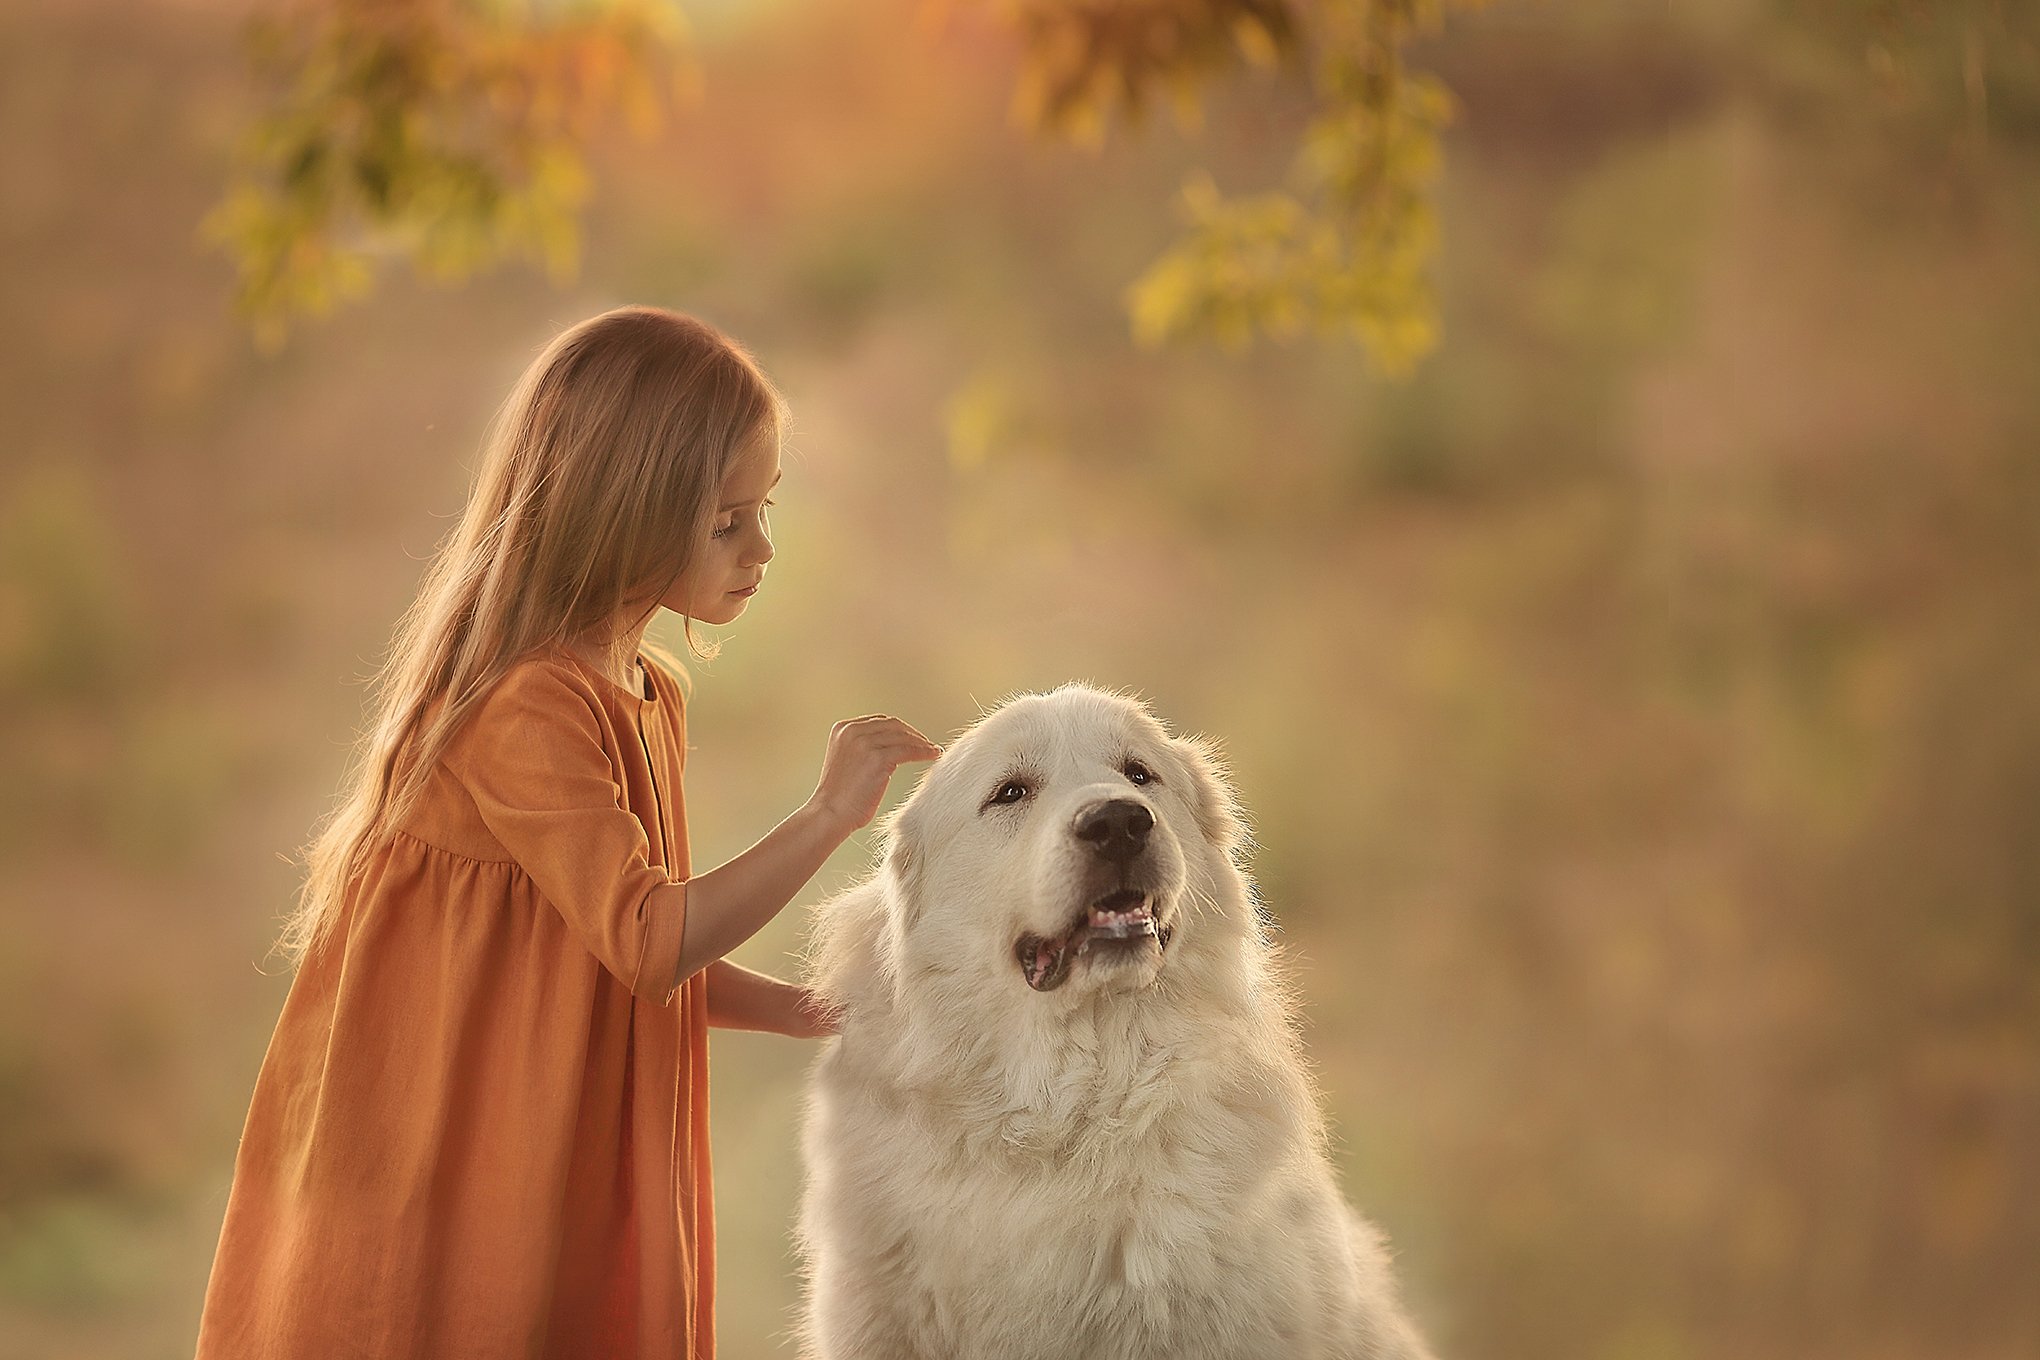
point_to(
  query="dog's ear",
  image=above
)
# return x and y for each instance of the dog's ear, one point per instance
(847, 947)
(1213, 797)
(901, 872)
(902, 858)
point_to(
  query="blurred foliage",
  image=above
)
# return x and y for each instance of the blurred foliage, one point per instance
(1619, 280)
(451, 132)
(1939, 66)
(88, 739)
(447, 131)
(74, 1255)
(1086, 60)
(66, 611)
(1350, 250)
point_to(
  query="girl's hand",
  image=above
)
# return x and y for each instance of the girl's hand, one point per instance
(862, 755)
(809, 1019)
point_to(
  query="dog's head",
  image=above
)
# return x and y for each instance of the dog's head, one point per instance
(1065, 839)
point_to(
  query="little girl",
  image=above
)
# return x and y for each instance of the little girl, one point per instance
(481, 1127)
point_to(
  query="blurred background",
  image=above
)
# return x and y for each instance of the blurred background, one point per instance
(1637, 701)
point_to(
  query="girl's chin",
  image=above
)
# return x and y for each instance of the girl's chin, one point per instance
(729, 607)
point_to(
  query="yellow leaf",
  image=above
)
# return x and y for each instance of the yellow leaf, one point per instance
(1255, 42)
(1186, 100)
(978, 418)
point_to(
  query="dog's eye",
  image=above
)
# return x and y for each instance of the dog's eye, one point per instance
(1012, 791)
(1138, 773)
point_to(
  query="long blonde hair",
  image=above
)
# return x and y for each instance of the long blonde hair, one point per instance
(596, 490)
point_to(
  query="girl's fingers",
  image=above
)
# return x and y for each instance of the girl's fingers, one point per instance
(900, 734)
(920, 739)
(884, 738)
(886, 762)
(899, 750)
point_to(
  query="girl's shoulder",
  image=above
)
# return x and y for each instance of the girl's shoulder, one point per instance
(537, 677)
(550, 698)
(552, 670)
(541, 697)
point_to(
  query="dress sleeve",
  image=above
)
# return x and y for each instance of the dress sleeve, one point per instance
(531, 756)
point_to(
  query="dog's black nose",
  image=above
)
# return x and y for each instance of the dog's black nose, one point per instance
(1116, 828)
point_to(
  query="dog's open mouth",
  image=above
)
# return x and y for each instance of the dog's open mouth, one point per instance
(1121, 921)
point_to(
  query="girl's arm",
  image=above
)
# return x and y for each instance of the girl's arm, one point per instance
(739, 998)
(726, 906)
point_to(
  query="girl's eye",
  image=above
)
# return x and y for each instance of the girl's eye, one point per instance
(1012, 791)
(718, 533)
(1138, 773)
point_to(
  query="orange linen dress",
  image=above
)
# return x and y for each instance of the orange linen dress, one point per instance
(481, 1126)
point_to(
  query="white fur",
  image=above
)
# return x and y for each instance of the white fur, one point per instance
(1130, 1166)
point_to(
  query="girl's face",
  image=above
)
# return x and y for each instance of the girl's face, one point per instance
(739, 545)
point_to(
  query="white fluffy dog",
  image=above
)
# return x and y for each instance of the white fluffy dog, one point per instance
(1068, 1116)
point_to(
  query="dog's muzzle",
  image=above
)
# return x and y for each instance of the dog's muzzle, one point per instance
(1122, 921)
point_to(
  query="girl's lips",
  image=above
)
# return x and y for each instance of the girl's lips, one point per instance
(747, 590)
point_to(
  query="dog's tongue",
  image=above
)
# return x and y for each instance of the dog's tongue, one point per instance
(1046, 962)
(1047, 955)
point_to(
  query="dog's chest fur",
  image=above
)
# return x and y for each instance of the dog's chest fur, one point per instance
(1111, 1199)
